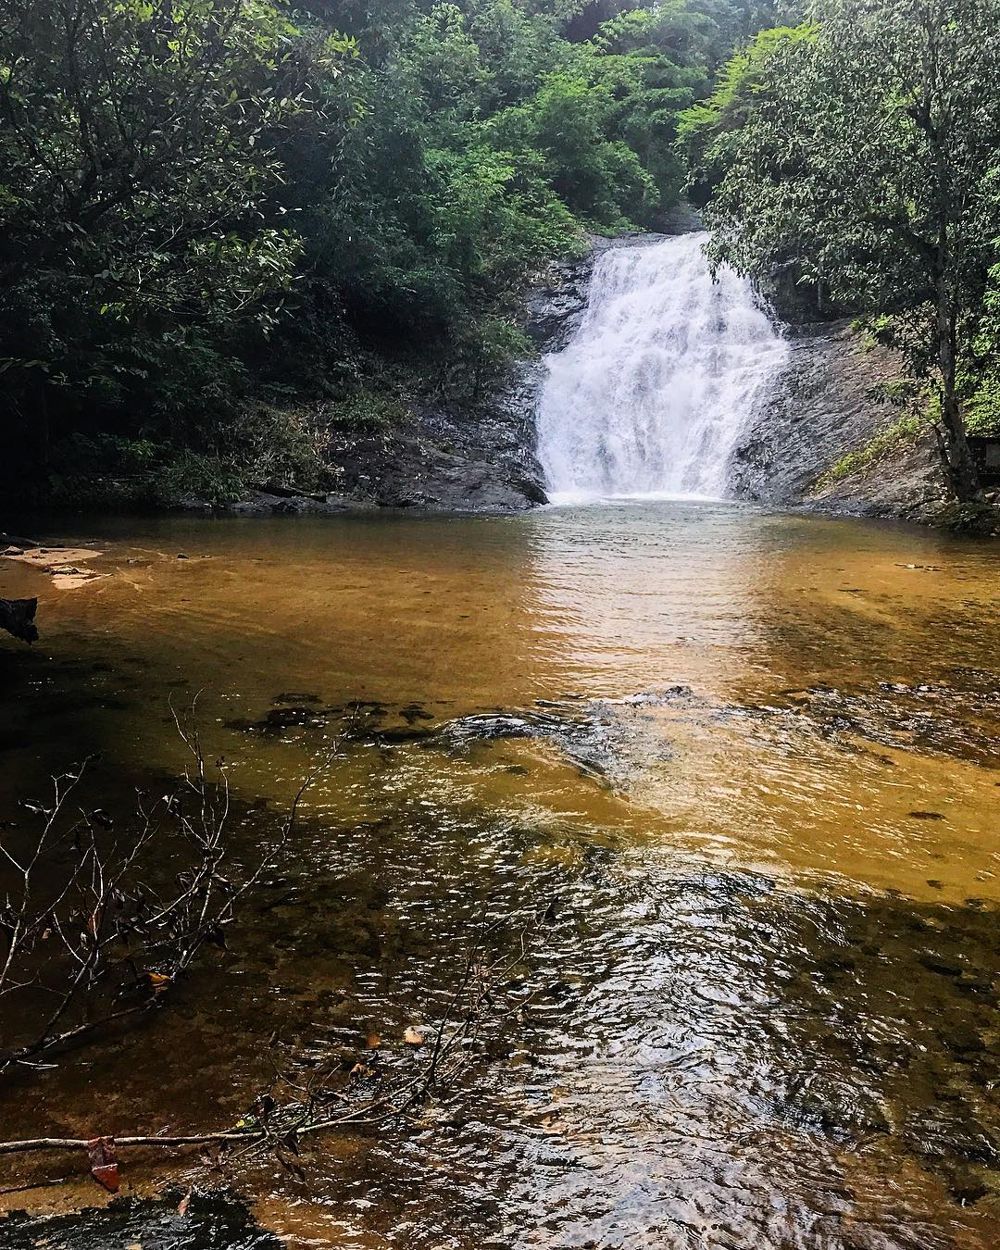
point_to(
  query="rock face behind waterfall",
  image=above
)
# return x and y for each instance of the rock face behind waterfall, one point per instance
(810, 433)
(809, 427)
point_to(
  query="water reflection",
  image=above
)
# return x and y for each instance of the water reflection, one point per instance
(634, 595)
(760, 1003)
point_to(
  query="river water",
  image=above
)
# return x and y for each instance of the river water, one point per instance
(750, 833)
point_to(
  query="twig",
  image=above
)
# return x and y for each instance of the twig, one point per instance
(102, 931)
(281, 1126)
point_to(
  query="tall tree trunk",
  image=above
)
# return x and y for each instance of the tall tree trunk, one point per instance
(961, 467)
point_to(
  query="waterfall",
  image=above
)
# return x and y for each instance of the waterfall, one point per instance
(665, 370)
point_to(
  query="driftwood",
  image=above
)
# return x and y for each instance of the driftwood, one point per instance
(17, 617)
(378, 1091)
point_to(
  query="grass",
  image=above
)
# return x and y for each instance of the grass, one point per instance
(905, 430)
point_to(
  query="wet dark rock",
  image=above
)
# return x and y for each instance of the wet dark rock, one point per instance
(278, 719)
(413, 712)
(606, 739)
(363, 707)
(555, 309)
(17, 617)
(395, 736)
(489, 727)
(980, 985)
(361, 721)
(473, 458)
(659, 698)
(262, 503)
(963, 1039)
(800, 303)
(12, 540)
(967, 1187)
(831, 403)
(941, 964)
(212, 1223)
(945, 720)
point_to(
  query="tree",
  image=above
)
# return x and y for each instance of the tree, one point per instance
(870, 158)
(705, 130)
(137, 185)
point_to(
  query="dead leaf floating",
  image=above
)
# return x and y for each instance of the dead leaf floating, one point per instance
(412, 1036)
(104, 1162)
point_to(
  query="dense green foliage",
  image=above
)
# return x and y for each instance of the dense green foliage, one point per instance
(226, 225)
(207, 200)
(709, 131)
(137, 160)
(862, 150)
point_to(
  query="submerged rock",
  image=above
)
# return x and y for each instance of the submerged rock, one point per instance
(17, 617)
(211, 1222)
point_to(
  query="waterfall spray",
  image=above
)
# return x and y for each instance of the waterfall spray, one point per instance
(665, 371)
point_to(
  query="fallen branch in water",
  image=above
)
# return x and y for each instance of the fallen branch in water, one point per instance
(83, 928)
(372, 1095)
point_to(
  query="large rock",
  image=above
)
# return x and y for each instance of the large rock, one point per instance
(831, 402)
(210, 1222)
(443, 460)
(17, 617)
(471, 458)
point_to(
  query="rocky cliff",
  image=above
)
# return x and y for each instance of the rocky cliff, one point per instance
(457, 458)
(831, 439)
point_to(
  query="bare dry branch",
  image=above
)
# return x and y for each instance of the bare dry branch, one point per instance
(87, 922)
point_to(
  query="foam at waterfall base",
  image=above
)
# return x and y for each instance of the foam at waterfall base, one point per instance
(581, 498)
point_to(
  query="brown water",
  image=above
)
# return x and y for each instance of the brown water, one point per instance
(764, 999)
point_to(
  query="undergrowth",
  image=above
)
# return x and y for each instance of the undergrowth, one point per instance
(905, 429)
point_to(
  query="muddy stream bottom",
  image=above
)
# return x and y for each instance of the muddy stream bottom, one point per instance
(730, 779)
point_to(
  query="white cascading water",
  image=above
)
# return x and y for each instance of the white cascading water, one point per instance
(665, 371)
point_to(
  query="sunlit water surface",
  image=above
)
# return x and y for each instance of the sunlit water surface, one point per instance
(762, 902)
